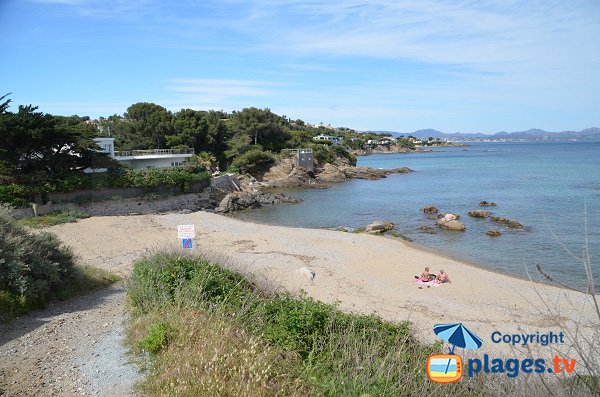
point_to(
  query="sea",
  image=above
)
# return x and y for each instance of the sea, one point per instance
(552, 188)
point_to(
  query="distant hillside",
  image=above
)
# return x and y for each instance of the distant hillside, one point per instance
(532, 134)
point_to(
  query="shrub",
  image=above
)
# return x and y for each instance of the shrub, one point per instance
(253, 160)
(20, 195)
(37, 267)
(331, 154)
(53, 218)
(16, 195)
(158, 337)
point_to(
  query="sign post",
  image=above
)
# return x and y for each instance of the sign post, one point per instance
(186, 233)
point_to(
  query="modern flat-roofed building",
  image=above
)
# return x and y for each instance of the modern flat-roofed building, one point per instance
(144, 159)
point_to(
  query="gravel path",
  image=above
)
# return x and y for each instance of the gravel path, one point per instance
(75, 347)
(72, 348)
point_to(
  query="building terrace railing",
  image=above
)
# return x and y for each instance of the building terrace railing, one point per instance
(152, 152)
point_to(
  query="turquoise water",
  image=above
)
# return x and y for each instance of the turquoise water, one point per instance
(545, 186)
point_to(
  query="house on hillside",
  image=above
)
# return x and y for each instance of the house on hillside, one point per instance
(143, 159)
(335, 140)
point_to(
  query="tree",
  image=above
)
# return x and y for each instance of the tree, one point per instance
(263, 127)
(190, 129)
(33, 143)
(4, 105)
(238, 145)
(147, 127)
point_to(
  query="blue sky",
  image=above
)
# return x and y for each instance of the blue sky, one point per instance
(396, 65)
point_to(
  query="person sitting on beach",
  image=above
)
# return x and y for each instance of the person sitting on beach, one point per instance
(442, 277)
(425, 275)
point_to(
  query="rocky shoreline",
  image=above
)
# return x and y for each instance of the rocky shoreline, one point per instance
(248, 191)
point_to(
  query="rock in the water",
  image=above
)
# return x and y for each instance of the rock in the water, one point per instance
(426, 229)
(450, 222)
(479, 214)
(493, 232)
(487, 204)
(449, 217)
(237, 201)
(379, 227)
(430, 209)
(507, 222)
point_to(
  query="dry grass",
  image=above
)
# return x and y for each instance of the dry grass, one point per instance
(209, 356)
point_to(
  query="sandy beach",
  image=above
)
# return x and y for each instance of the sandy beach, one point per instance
(364, 273)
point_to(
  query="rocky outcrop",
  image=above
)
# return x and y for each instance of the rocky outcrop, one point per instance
(379, 227)
(493, 233)
(450, 222)
(237, 201)
(479, 214)
(507, 222)
(430, 209)
(487, 204)
(284, 174)
(335, 173)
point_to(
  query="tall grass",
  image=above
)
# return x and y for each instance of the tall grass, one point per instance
(209, 331)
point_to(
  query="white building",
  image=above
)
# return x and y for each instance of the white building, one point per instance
(143, 159)
(335, 140)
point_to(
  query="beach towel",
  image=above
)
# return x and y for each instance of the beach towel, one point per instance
(430, 283)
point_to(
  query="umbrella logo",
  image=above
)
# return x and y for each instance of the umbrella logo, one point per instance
(447, 368)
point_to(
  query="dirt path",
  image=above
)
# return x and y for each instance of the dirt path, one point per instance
(71, 348)
(75, 347)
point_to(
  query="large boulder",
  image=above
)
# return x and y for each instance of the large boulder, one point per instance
(479, 214)
(507, 222)
(486, 204)
(493, 232)
(450, 222)
(430, 209)
(379, 227)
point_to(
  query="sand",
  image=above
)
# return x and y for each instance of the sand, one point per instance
(364, 273)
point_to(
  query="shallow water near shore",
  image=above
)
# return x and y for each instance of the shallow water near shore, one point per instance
(545, 186)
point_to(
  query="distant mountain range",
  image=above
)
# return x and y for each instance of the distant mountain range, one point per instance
(533, 134)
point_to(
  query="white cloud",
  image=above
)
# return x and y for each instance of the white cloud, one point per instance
(219, 93)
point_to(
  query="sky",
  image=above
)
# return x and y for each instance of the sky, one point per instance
(397, 65)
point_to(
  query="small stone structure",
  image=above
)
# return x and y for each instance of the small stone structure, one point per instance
(303, 158)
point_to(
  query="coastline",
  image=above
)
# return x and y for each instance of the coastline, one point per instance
(364, 273)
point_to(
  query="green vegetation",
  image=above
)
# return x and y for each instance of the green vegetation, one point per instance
(36, 268)
(20, 195)
(42, 153)
(53, 218)
(212, 332)
(253, 160)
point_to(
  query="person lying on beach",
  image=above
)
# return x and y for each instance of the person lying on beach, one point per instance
(442, 277)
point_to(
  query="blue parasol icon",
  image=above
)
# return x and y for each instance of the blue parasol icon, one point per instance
(457, 335)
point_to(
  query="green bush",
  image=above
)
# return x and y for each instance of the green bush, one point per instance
(158, 337)
(20, 195)
(36, 268)
(253, 160)
(331, 154)
(53, 218)
(16, 195)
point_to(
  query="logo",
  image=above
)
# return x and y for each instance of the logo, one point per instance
(444, 368)
(448, 368)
